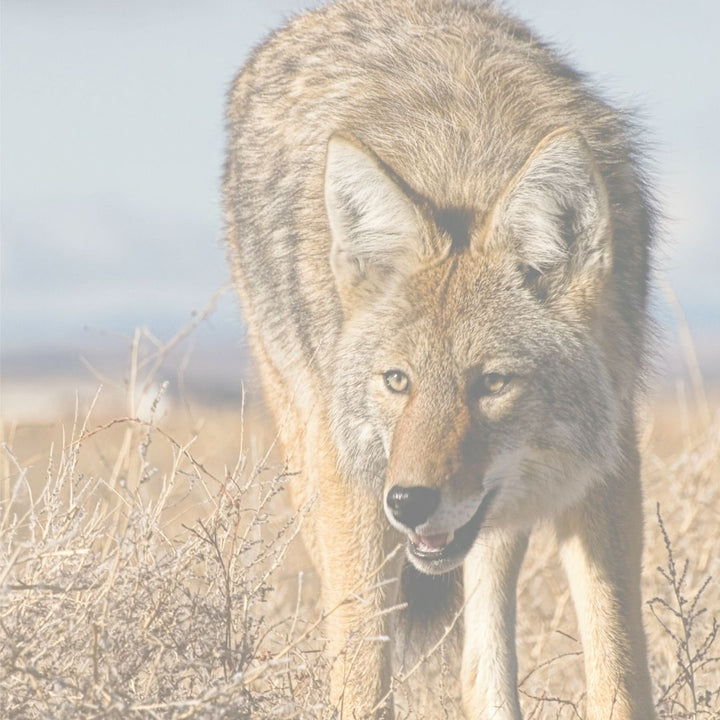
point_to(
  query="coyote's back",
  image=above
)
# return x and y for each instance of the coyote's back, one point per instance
(440, 237)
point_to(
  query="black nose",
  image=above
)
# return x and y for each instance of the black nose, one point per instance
(412, 506)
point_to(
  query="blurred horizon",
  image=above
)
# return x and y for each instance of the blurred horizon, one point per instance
(112, 151)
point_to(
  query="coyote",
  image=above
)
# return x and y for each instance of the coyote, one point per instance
(440, 238)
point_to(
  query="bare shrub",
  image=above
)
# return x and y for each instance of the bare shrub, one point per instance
(104, 614)
(681, 617)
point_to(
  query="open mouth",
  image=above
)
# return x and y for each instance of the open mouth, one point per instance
(453, 545)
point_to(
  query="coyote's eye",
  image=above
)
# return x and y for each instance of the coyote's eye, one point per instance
(396, 381)
(493, 383)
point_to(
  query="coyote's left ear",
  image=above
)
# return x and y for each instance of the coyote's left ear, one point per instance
(556, 214)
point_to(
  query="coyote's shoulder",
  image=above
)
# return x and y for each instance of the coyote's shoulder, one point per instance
(440, 236)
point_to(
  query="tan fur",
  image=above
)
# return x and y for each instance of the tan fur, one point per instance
(440, 238)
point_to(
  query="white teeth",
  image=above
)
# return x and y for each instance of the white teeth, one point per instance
(425, 544)
(430, 550)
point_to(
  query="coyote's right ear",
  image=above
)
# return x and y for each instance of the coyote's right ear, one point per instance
(376, 228)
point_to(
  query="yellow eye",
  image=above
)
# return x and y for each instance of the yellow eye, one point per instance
(396, 381)
(493, 383)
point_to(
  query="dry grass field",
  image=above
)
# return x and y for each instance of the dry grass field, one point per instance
(150, 567)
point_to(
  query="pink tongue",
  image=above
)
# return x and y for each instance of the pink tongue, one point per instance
(434, 541)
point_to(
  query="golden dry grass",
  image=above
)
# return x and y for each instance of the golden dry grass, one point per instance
(150, 568)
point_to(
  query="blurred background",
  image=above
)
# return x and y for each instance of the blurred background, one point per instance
(112, 152)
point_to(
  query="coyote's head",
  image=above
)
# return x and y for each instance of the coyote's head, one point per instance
(471, 377)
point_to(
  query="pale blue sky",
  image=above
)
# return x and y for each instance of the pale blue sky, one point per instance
(112, 148)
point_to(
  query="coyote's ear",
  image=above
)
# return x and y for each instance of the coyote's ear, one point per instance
(375, 226)
(556, 215)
